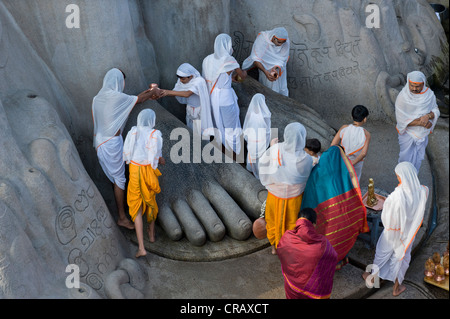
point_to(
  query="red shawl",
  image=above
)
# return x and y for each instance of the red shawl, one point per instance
(308, 262)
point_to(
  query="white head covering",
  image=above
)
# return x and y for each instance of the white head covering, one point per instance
(111, 107)
(256, 127)
(403, 211)
(267, 53)
(143, 144)
(196, 85)
(353, 139)
(410, 106)
(287, 162)
(221, 61)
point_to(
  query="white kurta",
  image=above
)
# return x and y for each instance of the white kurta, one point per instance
(402, 216)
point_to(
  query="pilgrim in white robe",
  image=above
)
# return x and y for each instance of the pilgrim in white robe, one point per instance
(402, 217)
(224, 105)
(413, 140)
(256, 130)
(270, 56)
(110, 111)
(198, 106)
(353, 139)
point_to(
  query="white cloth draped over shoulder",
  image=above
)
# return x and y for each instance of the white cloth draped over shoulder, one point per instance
(402, 216)
(271, 55)
(410, 106)
(200, 98)
(221, 61)
(256, 130)
(143, 144)
(353, 139)
(286, 163)
(111, 107)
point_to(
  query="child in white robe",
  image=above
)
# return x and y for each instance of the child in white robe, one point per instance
(355, 139)
(191, 89)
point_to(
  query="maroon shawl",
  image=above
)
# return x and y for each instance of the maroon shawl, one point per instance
(308, 262)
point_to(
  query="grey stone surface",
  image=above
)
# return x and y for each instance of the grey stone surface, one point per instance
(56, 205)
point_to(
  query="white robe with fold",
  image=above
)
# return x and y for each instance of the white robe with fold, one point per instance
(413, 140)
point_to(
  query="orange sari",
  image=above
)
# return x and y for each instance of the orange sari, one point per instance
(281, 215)
(142, 189)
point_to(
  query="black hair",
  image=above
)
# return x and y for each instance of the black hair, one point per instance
(359, 112)
(309, 214)
(124, 76)
(313, 144)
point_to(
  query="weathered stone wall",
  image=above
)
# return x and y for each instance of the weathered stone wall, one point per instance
(337, 62)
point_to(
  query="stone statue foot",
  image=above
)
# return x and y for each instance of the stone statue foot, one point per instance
(200, 203)
(55, 213)
(207, 199)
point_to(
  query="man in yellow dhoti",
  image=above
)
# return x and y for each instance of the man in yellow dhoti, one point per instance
(284, 170)
(142, 151)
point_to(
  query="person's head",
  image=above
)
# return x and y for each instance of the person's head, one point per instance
(416, 82)
(114, 80)
(185, 79)
(294, 138)
(312, 146)
(279, 36)
(309, 214)
(147, 117)
(360, 113)
(186, 73)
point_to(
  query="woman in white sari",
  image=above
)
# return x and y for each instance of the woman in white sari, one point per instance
(218, 70)
(402, 216)
(256, 131)
(284, 170)
(110, 110)
(270, 54)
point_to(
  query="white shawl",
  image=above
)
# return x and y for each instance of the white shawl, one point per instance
(410, 106)
(221, 61)
(143, 144)
(353, 139)
(267, 53)
(256, 127)
(287, 162)
(196, 85)
(403, 212)
(111, 107)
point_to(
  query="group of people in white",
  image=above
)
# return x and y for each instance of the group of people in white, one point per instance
(212, 109)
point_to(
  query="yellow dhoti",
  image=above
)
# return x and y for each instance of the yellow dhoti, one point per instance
(142, 189)
(281, 215)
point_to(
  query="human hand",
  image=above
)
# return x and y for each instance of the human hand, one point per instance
(274, 141)
(428, 125)
(162, 161)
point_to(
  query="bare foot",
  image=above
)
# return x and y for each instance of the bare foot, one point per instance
(151, 234)
(274, 250)
(141, 253)
(125, 223)
(398, 289)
